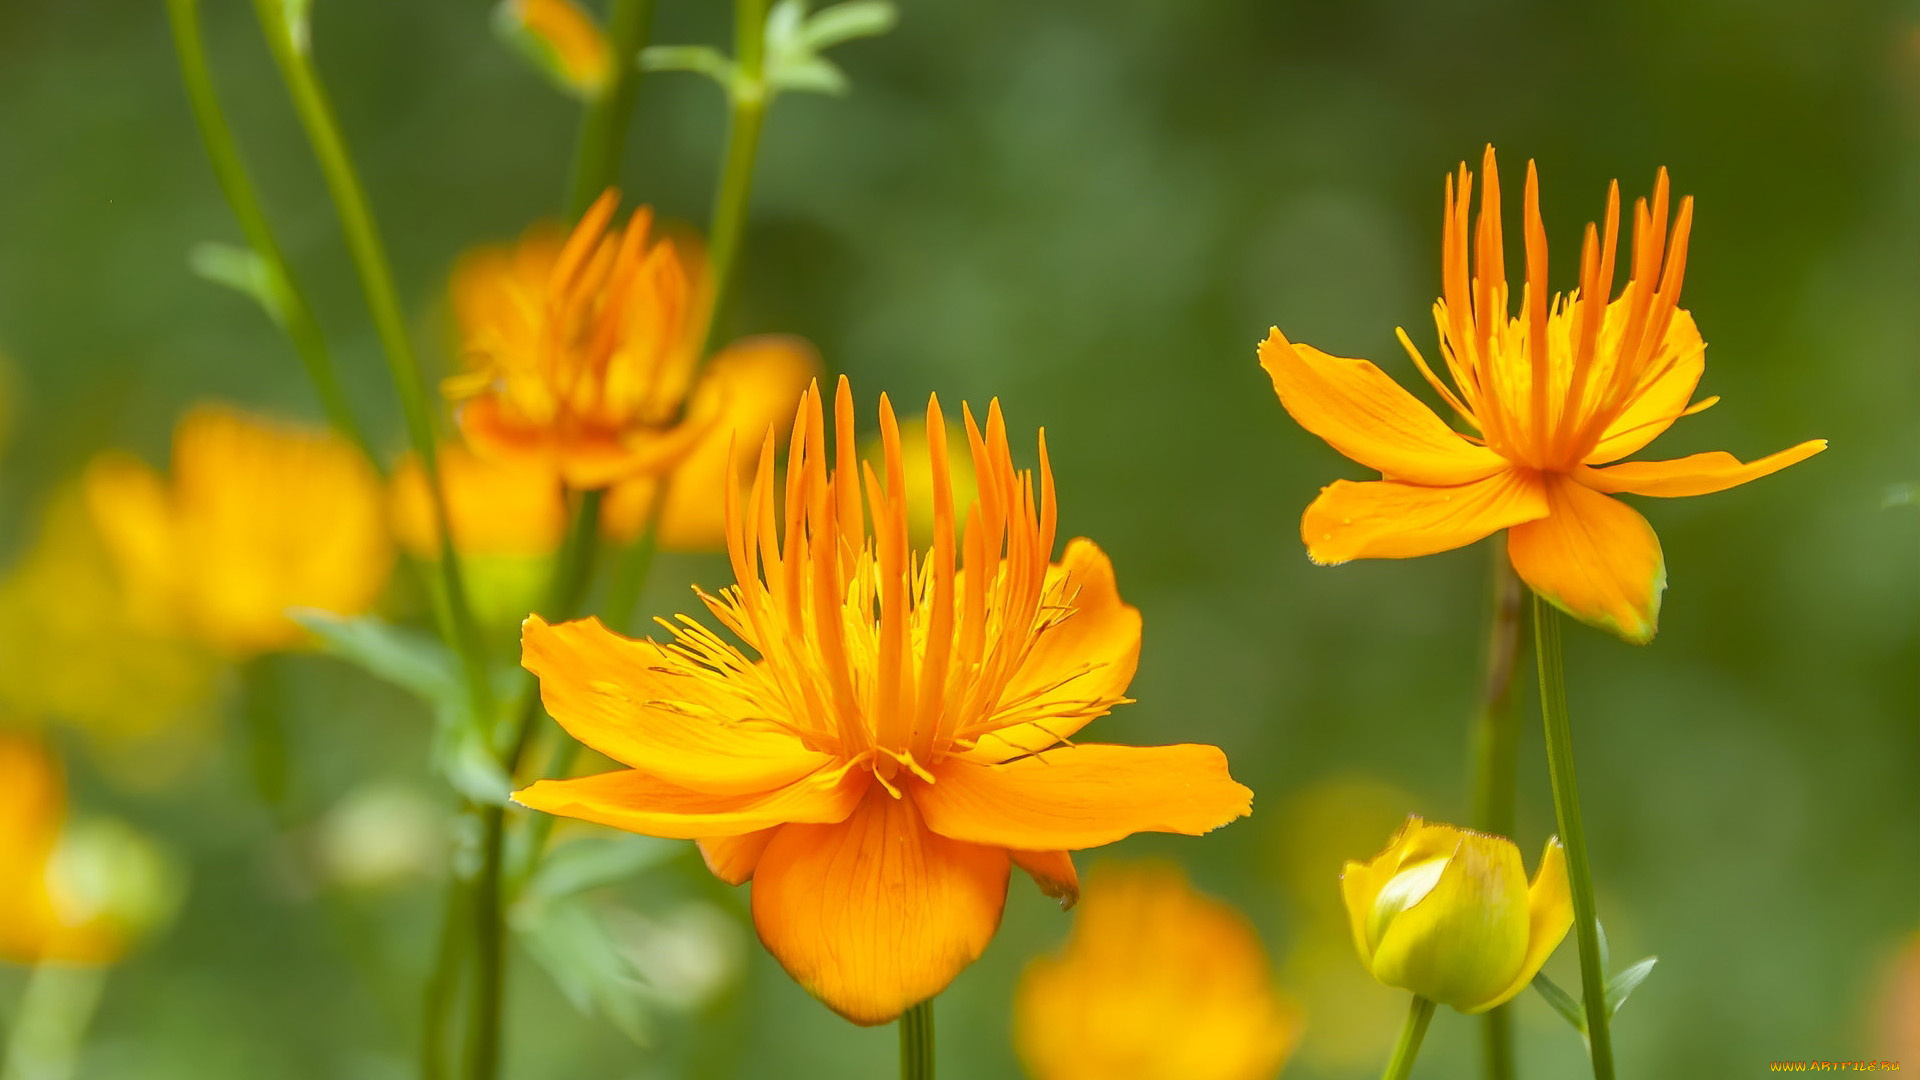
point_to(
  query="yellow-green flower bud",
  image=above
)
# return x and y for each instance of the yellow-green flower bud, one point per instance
(1448, 914)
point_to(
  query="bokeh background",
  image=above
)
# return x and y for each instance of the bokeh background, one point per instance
(1093, 211)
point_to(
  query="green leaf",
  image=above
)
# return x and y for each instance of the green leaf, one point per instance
(1562, 1002)
(1606, 953)
(463, 753)
(845, 22)
(699, 59)
(406, 658)
(815, 74)
(572, 941)
(1622, 984)
(244, 272)
(593, 861)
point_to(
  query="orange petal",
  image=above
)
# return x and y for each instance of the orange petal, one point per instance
(1083, 796)
(876, 914)
(632, 800)
(733, 858)
(1696, 474)
(1078, 668)
(1053, 871)
(650, 708)
(1662, 401)
(1595, 558)
(1365, 415)
(753, 383)
(1385, 519)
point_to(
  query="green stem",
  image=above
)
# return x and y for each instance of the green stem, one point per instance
(267, 735)
(747, 112)
(292, 312)
(383, 302)
(596, 161)
(916, 1042)
(1573, 832)
(573, 571)
(1496, 736)
(442, 984)
(50, 1026)
(1419, 1014)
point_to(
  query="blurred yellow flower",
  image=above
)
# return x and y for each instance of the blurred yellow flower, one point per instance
(897, 738)
(72, 895)
(1448, 914)
(73, 651)
(1156, 982)
(752, 384)
(1574, 382)
(257, 518)
(497, 507)
(563, 40)
(582, 351)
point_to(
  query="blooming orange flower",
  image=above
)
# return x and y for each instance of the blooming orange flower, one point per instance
(897, 737)
(1554, 395)
(258, 518)
(497, 507)
(563, 39)
(581, 353)
(1157, 982)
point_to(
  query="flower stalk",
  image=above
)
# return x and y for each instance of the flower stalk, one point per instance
(50, 1026)
(451, 606)
(747, 98)
(1419, 1014)
(1495, 752)
(1566, 806)
(596, 162)
(916, 1042)
(290, 307)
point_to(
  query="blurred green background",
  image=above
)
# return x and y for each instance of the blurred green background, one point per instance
(1093, 211)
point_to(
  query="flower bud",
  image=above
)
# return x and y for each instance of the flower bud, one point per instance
(1448, 914)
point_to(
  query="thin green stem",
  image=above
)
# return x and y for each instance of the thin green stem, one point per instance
(1419, 1014)
(916, 1042)
(291, 310)
(1573, 831)
(747, 112)
(266, 735)
(596, 161)
(50, 1026)
(573, 571)
(1496, 736)
(383, 302)
(443, 984)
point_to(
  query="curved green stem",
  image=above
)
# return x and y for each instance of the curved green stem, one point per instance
(1496, 737)
(376, 280)
(1573, 832)
(916, 1042)
(291, 310)
(573, 571)
(596, 161)
(747, 113)
(1419, 1014)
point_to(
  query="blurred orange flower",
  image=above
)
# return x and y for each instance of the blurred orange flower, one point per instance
(257, 518)
(563, 39)
(1157, 982)
(751, 385)
(1571, 384)
(581, 352)
(43, 918)
(497, 507)
(897, 738)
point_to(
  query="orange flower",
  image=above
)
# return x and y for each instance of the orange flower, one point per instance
(564, 40)
(752, 384)
(1157, 982)
(509, 507)
(47, 916)
(1568, 386)
(902, 738)
(581, 353)
(257, 519)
